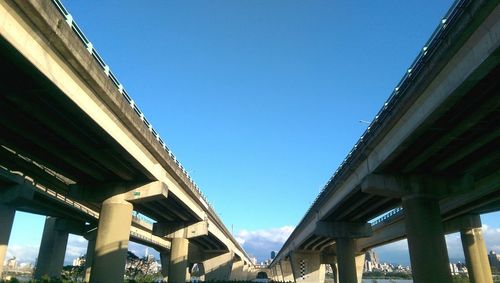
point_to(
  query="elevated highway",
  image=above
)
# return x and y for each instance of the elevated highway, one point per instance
(63, 109)
(432, 150)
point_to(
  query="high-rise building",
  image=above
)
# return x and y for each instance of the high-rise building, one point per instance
(494, 260)
(273, 254)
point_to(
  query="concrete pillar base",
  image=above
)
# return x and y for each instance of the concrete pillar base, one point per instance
(360, 265)
(237, 271)
(164, 260)
(178, 260)
(218, 267)
(7, 215)
(346, 260)
(286, 269)
(89, 257)
(307, 267)
(52, 250)
(476, 256)
(426, 242)
(111, 244)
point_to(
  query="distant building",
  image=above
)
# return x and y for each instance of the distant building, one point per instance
(494, 260)
(458, 268)
(273, 254)
(12, 263)
(371, 261)
(79, 261)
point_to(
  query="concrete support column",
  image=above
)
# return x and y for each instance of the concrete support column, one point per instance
(6, 220)
(237, 270)
(476, 256)
(274, 273)
(307, 267)
(245, 273)
(335, 270)
(426, 242)
(286, 269)
(112, 240)
(178, 260)
(279, 273)
(89, 257)
(164, 260)
(218, 267)
(52, 250)
(346, 257)
(360, 265)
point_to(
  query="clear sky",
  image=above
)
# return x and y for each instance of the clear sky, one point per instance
(259, 99)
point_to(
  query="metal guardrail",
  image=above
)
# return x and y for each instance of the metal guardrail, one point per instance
(57, 196)
(106, 69)
(148, 239)
(388, 216)
(400, 90)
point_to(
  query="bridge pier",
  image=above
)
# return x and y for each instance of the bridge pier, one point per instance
(286, 269)
(426, 242)
(246, 272)
(346, 258)
(218, 267)
(89, 257)
(111, 244)
(52, 250)
(307, 267)
(178, 260)
(164, 260)
(360, 265)
(476, 257)
(350, 265)
(237, 270)
(423, 223)
(7, 215)
(279, 273)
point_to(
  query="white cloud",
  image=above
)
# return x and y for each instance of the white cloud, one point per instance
(23, 253)
(260, 243)
(77, 246)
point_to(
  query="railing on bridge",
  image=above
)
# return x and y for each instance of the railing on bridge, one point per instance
(387, 217)
(106, 69)
(55, 195)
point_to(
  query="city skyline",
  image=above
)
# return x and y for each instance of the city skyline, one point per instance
(257, 151)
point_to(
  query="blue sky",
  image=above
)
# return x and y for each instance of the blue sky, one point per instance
(259, 99)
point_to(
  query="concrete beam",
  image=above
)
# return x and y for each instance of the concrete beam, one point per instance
(181, 230)
(72, 226)
(10, 194)
(401, 185)
(336, 230)
(132, 191)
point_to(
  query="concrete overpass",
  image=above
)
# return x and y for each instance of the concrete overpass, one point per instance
(64, 110)
(430, 158)
(20, 193)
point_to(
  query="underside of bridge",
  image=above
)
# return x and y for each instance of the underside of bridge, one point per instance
(49, 140)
